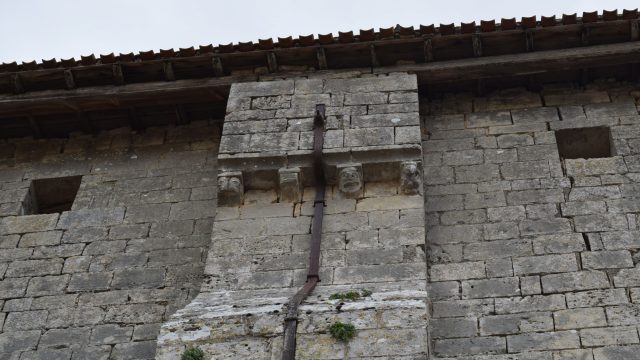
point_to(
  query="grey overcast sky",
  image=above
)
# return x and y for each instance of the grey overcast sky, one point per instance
(45, 29)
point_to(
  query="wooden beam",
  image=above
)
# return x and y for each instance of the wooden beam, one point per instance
(635, 30)
(477, 45)
(635, 72)
(481, 88)
(428, 50)
(272, 62)
(322, 59)
(218, 70)
(584, 77)
(118, 75)
(181, 115)
(586, 31)
(69, 80)
(18, 88)
(35, 128)
(114, 97)
(533, 83)
(214, 89)
(373, 56)
(133, 120)
(528, 39)
(85, 121)
(521, 64)
(167, 70)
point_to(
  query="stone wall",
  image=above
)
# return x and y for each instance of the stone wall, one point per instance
(373, 233)
(96, 282)
(529, 254)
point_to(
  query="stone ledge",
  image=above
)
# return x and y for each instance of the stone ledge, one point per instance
(234, 321)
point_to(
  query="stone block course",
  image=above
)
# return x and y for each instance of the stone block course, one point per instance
(527, 256)
(571, 251)
(51, 264)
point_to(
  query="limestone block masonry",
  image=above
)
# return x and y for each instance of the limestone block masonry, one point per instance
(478, 241)
(373, 236)
(533, 256)
(96, 282)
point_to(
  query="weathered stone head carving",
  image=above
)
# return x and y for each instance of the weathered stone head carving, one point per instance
(349, 179)
(410, 178)
(230, 189)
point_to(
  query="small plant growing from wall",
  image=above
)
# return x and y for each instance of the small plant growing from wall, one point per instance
(193, 353)
(350, 295)
(342, 332)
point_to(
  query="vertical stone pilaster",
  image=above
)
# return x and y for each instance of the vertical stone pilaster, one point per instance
(373, 235)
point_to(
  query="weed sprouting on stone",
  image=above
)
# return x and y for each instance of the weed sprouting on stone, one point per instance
(342, 332)
(193, 353)
(350, 295)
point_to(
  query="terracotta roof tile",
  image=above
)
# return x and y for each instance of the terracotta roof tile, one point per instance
(226, 48)
(64, 62)
(447, 29)
(186, 52)
(285, 42)
(346, 37)
(630, 14)
(147, 55)
(126, 57)
(468, 28)
(306, 40)
(49, 64)
(246, 46)
(569, 19)
(265, 44)
(168, 53)
(589, 17)
(610, 15)
(205, 49)
(406, 31)
(108, 59)
(367, 35)
(508, 24)
(88, 60)
(488, 26)
(386, 33)
(427, 29)
(326, 39)
(547, 21)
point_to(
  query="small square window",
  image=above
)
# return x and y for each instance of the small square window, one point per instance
(584, 143)
(54, 195)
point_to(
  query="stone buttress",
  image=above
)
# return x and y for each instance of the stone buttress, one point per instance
(373, 235)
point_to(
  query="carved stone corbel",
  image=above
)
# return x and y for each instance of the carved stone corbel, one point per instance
(290, 185)
(410, 178)
(230, 189)
(350, 180)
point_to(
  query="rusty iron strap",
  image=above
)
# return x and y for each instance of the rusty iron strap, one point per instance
(291, 319)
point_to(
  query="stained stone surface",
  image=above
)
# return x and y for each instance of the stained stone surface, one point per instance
(527, 255)
(96, 282)
(532, 256)
(373, 236)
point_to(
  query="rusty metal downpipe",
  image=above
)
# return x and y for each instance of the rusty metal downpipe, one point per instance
(291, 319)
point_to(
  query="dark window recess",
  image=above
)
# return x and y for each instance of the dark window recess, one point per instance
(47, 196)
(584, 143)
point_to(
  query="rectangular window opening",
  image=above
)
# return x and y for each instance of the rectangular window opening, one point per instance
(54, 195)
(584, 143)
